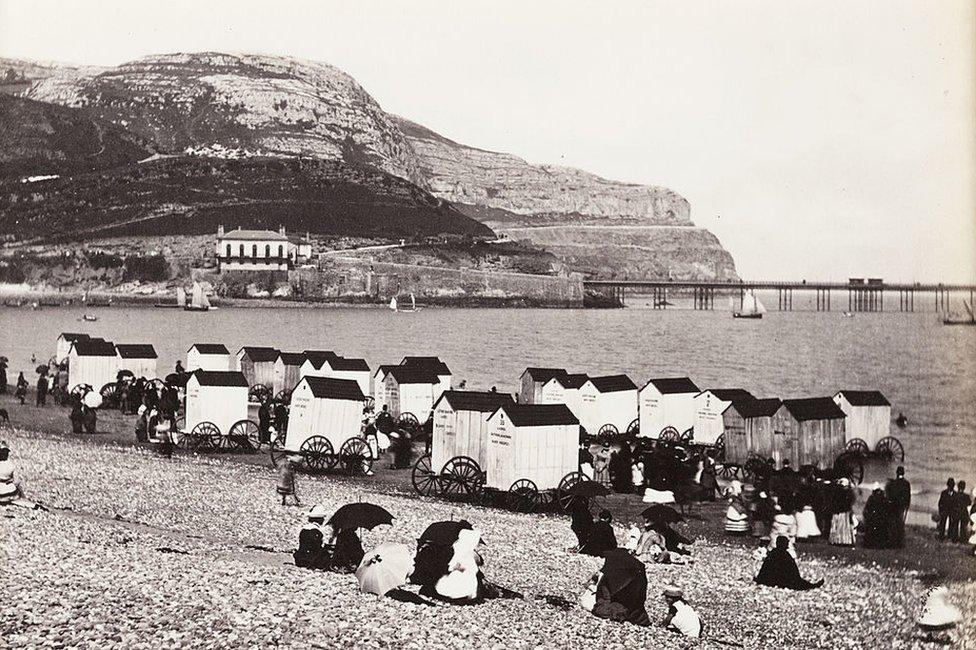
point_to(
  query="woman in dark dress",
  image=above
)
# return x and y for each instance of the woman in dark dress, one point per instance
(581, 520)
(779, 569)
(877, 511)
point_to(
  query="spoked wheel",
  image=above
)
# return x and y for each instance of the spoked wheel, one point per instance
(424, 480)
(718, 453)
(278, 453)
(890, 449)
(461, 477)
(752, 467)
(633, 429)
(356, 456)
(369, 403)
(203, 436)
(109, 393)
(688, 436)
(607, 432)
(851, 467)
(317, 453)
(857, 447)
(523, 496)
(80, 390)
(246, 435)
(259, 393)
(669, 435)
(283, 396)
(564, 500)
(408, 422)
(728, 470)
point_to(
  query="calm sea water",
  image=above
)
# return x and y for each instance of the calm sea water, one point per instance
(925, 369)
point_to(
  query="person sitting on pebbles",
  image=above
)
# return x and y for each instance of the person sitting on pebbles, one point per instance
(312, 551)
(347, 551)
(681, 618)
(779, 569)
(601, 537)
(9, 490)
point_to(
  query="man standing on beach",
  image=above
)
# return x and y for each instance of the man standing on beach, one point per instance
(899, 492)
(946, 499)
(959, 517)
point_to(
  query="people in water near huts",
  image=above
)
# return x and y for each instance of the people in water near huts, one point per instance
(681, 617)
(20, 392)
(601, 537)
(312, 552)
(779, 569)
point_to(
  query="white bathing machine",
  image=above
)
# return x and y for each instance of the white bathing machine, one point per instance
(868, 426)
(313, 364)
(532, 381)
(258, 365)
(532, 454)
(710, 406)
(434, 366)
(93, 362)
(287, 372)
(608, 405)
(347, 368)
(409, 394)
(461, 425)
(138, 358)
(666, 408)
(64, 343)
(216, 403)
(325, 425)
(564, 389)
(379, 386)
(210, 356)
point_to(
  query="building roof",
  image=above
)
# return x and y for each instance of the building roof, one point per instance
(384, 368)
(73, 336)
(432, 364)
(230, 378)
(669, 385)
(475, 400)
(259, 354)
(93, 348)
(319, 357)
(865, 397)
(544, 374)
(813, 408)
(734, 395)
(757, 408)
(613, 383)
(253, 235)
(292, 358)
(331, 388)
(210, 348)
(538, 415)
(412, 375)
(571, 381)
(344, 363)
(136, 351)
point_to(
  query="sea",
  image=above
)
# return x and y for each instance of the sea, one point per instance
(924, 368)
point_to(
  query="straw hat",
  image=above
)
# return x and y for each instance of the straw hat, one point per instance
(318, 512)
(673, 591)
(844, 482)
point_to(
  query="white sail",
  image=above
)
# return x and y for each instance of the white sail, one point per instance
(196, 299)
(731, 303)
(204, 300)
(749, 304)
(181, 296)
(413, 303)
(760, 308)
(393, 303)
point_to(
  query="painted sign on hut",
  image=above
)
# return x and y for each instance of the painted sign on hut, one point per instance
(667, 406)
(138, 358)
(379, 386)
(314, 363)
(92, 362)
(531, 442)
(749, 429)
(327, 407)
(435, 366)
(710, 406)
(287, 371)
(410, 392)
(564, 389)
(209, 356)
(257, 364)
(346, 368)
(608, 404)
(808, 431)
(868, 421)
(216, 396)
(64, 345)
(461, 425)
(532, 381)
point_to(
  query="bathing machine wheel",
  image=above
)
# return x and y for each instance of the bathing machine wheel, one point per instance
(633, 429)
(356, 456)
(523, 496)
(246, 435)
(564, 500)
(857, 447)
(424, 480)
(607, 432)
(669, 436)
(317, 454)
(890, 448)
(461, 477)
(200, 438)
(283, 397)
(259, 393)
(850, 466)
(110, 395)
(408, 422)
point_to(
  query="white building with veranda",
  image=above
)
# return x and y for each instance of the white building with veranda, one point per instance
(260, 250)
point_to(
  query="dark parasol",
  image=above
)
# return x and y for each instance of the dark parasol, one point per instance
(360, 515)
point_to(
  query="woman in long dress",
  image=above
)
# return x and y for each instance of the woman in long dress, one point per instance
(736, 515)
(842, 521)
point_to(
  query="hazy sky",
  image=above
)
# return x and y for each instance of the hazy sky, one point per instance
(817, 139)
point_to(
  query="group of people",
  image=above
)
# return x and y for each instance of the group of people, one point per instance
(956, 516)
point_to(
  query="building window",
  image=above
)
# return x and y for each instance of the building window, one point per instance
(242, 251)
(254, 251)
(267, 250)
(228, 251)
(281, 251)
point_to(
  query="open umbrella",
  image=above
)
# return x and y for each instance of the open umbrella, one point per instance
(41, 370)
(92, 399)
(176, 379)
(360, 515)
(444, 533)
(386, 567)
(588, 489)
(660, 512)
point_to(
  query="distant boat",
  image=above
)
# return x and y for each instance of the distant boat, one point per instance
(848, 314)
(180, 300)
(752, 307)
(13, 303)
(198, 299)
(394, 305)
(90, 317)
(953, 320)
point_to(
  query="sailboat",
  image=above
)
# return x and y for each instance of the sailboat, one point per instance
(180, 300)
(198, 299)
(952, 320)
(752, 307)
(395, 306)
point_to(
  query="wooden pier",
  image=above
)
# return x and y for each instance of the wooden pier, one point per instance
(863, 295)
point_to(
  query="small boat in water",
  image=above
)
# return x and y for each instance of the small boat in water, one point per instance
(198, 299)
(91, 318)
(956, 320)
(394, 305)
(180, 301)
(848, 314)
(752, 307)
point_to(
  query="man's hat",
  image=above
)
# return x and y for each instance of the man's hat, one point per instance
(673, 591)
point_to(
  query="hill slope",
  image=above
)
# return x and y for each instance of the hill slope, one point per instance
(193, 195)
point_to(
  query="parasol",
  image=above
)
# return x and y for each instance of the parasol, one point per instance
(360, 515)
(41, 369)
(444, 533)
(386, 567)
(588, 489)
(660, 512)
(92, 399)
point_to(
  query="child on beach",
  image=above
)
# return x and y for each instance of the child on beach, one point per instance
(286, 481)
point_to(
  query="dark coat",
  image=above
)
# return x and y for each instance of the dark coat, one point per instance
(348, 551)
(672, 538)
(877, 515)
(779, 570)
(899, 492)
(600, 540)
(312, 553)
(581, 523)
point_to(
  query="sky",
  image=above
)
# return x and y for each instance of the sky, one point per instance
(817, 139)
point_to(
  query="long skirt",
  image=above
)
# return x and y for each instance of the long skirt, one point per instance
(806, 524)
(842, 530)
